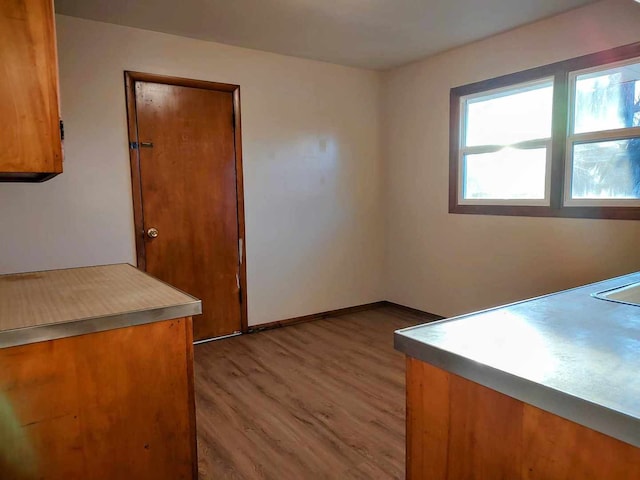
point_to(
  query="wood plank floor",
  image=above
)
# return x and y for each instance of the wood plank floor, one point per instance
(318, 400)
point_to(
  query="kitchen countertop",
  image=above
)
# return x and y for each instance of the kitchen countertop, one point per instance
(567, 353)
(54, 304)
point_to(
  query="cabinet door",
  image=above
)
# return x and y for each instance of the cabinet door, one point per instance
(112, 405)
(30, 140)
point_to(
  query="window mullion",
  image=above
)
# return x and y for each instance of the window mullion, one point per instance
(559, 128)
(479, 149)
(617, 134)
(527, 144)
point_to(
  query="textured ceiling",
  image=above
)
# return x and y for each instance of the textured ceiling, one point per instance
(377, 34)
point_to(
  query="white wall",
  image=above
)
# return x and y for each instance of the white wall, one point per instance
(451, 264)
(312, 168)
(318, 197)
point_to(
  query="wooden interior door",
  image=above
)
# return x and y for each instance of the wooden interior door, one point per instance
(185, 158)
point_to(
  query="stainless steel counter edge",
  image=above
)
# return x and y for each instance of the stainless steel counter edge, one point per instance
(596, 417)
(41, 333)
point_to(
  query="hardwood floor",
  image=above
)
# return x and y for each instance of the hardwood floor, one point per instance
(318, 400)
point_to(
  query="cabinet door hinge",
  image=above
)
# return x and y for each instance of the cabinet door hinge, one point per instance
(61, 130)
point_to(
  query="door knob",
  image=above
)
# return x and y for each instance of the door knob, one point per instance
(152, 232)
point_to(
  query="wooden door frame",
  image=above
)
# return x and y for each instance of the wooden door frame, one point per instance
(130, 79)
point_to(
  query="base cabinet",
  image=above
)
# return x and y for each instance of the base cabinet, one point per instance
(458, 430)
(110, 405)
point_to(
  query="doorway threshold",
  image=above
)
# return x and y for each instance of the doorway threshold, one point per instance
(222, 337)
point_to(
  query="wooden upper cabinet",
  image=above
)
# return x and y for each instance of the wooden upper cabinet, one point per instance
(30, 137)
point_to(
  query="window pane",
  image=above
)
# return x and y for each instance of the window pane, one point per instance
(506, 174)
(510, 117)
(607, 100)
(606, 169)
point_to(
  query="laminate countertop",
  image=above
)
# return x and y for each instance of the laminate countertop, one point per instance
(567, 353)
(48, 305)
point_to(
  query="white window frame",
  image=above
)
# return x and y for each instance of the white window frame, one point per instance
(593, 137)
(479, 149)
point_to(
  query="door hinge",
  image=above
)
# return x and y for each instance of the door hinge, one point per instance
(61, 130)
(240, 250)
(136, 145)
(239, 287)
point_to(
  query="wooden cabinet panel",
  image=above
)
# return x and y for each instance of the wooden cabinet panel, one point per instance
(460, 430)
(31, 147)
(114, 404)
(483, 430)
(427, 421)
(558, 448)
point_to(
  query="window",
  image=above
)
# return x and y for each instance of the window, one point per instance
(559, 140)
(506, 145)
(604, 135)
